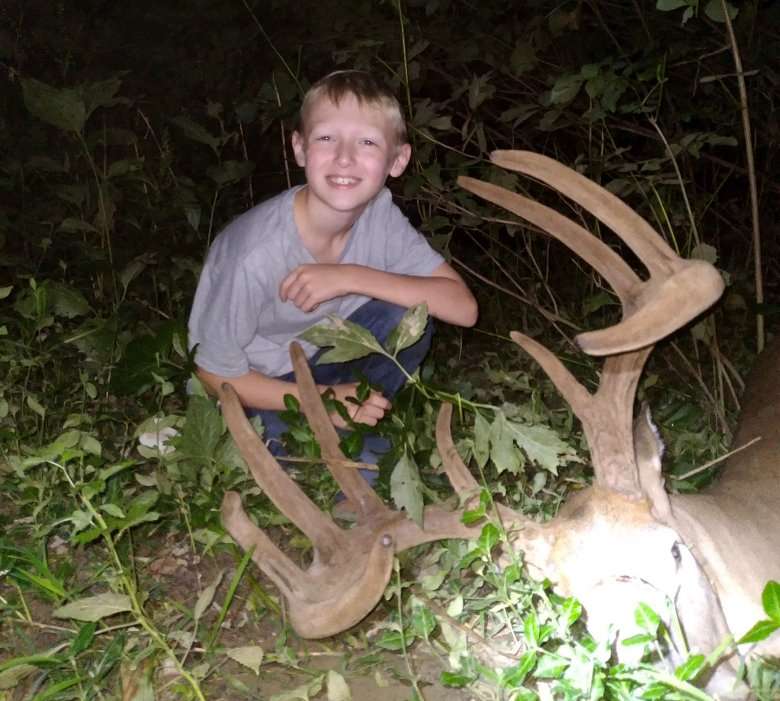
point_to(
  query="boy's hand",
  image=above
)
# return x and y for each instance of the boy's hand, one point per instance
(309, 285)
(371, 411)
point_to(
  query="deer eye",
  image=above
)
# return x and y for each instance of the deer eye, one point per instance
(676, 554)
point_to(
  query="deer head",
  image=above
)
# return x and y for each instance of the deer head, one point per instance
(611, 545)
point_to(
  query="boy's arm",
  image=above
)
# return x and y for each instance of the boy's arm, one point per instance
(447, 296)
(259, 391)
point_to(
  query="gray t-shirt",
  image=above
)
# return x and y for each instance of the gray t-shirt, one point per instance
(238, 321)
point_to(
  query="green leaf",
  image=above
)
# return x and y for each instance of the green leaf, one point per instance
(35, 405)
(565, 89)
(196, 132)
(406, 488)
(304, 692)
(714, 10)
(5, 291)
(113, 510)
(62, 108)
(770, 599)
(514, 677)
(647, 619)
(473, 515)
(337, 687)
(202, 430)
(502, 447)
(83, 639)
(550, 666)
(90, 444)
(131, 271)
(489, 537)
(393, 640)
(423, 622)
(456, 680)
(94, 608)
(542, 445)
(251, 656)
(531, 629)
(760, 631)
(690, 669)
(349, 340)
(99, 94)
(670, 5)
(704, 251)
(207, 596)
(230, 172)
(142, 357)
(571, 612)
(73, 225)
(523, 57)
(11, 676)
(409, 330)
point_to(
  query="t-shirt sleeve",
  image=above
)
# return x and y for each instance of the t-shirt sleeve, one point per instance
(407, 252)
(224, 317)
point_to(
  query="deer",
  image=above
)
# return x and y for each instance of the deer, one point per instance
(624, 539)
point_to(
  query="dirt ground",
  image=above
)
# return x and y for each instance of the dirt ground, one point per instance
(174, 577)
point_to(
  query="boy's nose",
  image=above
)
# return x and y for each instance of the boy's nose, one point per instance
(344, 154)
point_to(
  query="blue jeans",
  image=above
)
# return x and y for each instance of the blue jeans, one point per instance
(380, 318)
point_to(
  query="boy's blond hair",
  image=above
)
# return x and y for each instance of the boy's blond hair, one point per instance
(366, 89)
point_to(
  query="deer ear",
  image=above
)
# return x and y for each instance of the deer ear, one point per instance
(648, 451)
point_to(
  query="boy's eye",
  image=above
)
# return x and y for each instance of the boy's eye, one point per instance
(323, 137)
(369, 142)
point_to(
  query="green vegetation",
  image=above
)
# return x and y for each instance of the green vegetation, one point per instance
(134, 131)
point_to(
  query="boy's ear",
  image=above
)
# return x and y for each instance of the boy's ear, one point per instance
(401, 160)
(297, 145)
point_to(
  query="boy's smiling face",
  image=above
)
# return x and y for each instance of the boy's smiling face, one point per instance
(347, 151)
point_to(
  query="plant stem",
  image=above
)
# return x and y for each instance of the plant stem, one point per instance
(273, 47)
(103, 217)
(405, 63)
(132, 592)
(404, 650)
(751, 169)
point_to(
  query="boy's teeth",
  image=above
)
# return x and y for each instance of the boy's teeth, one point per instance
(344, 181)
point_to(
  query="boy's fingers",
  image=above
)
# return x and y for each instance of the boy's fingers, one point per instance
(379, 400)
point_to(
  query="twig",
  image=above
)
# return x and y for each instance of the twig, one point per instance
(708, 465)
(751, 167)
(285, 160)
(683, 191)
(289, 70)
(469, 631)
(332, 461)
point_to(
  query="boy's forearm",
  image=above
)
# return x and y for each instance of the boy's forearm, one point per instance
(255, 390)
(447, 296)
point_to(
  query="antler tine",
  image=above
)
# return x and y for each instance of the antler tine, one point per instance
(460, 478)
(650, 248)
(285, 574)
(283, 491)
(593, 251)
(368, 504)
(686, 286)
(462, 481)
(612, 451)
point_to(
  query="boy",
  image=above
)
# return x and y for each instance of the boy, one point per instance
(336, 245)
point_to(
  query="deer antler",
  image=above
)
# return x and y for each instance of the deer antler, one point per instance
(349, 568)
(676, 291)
